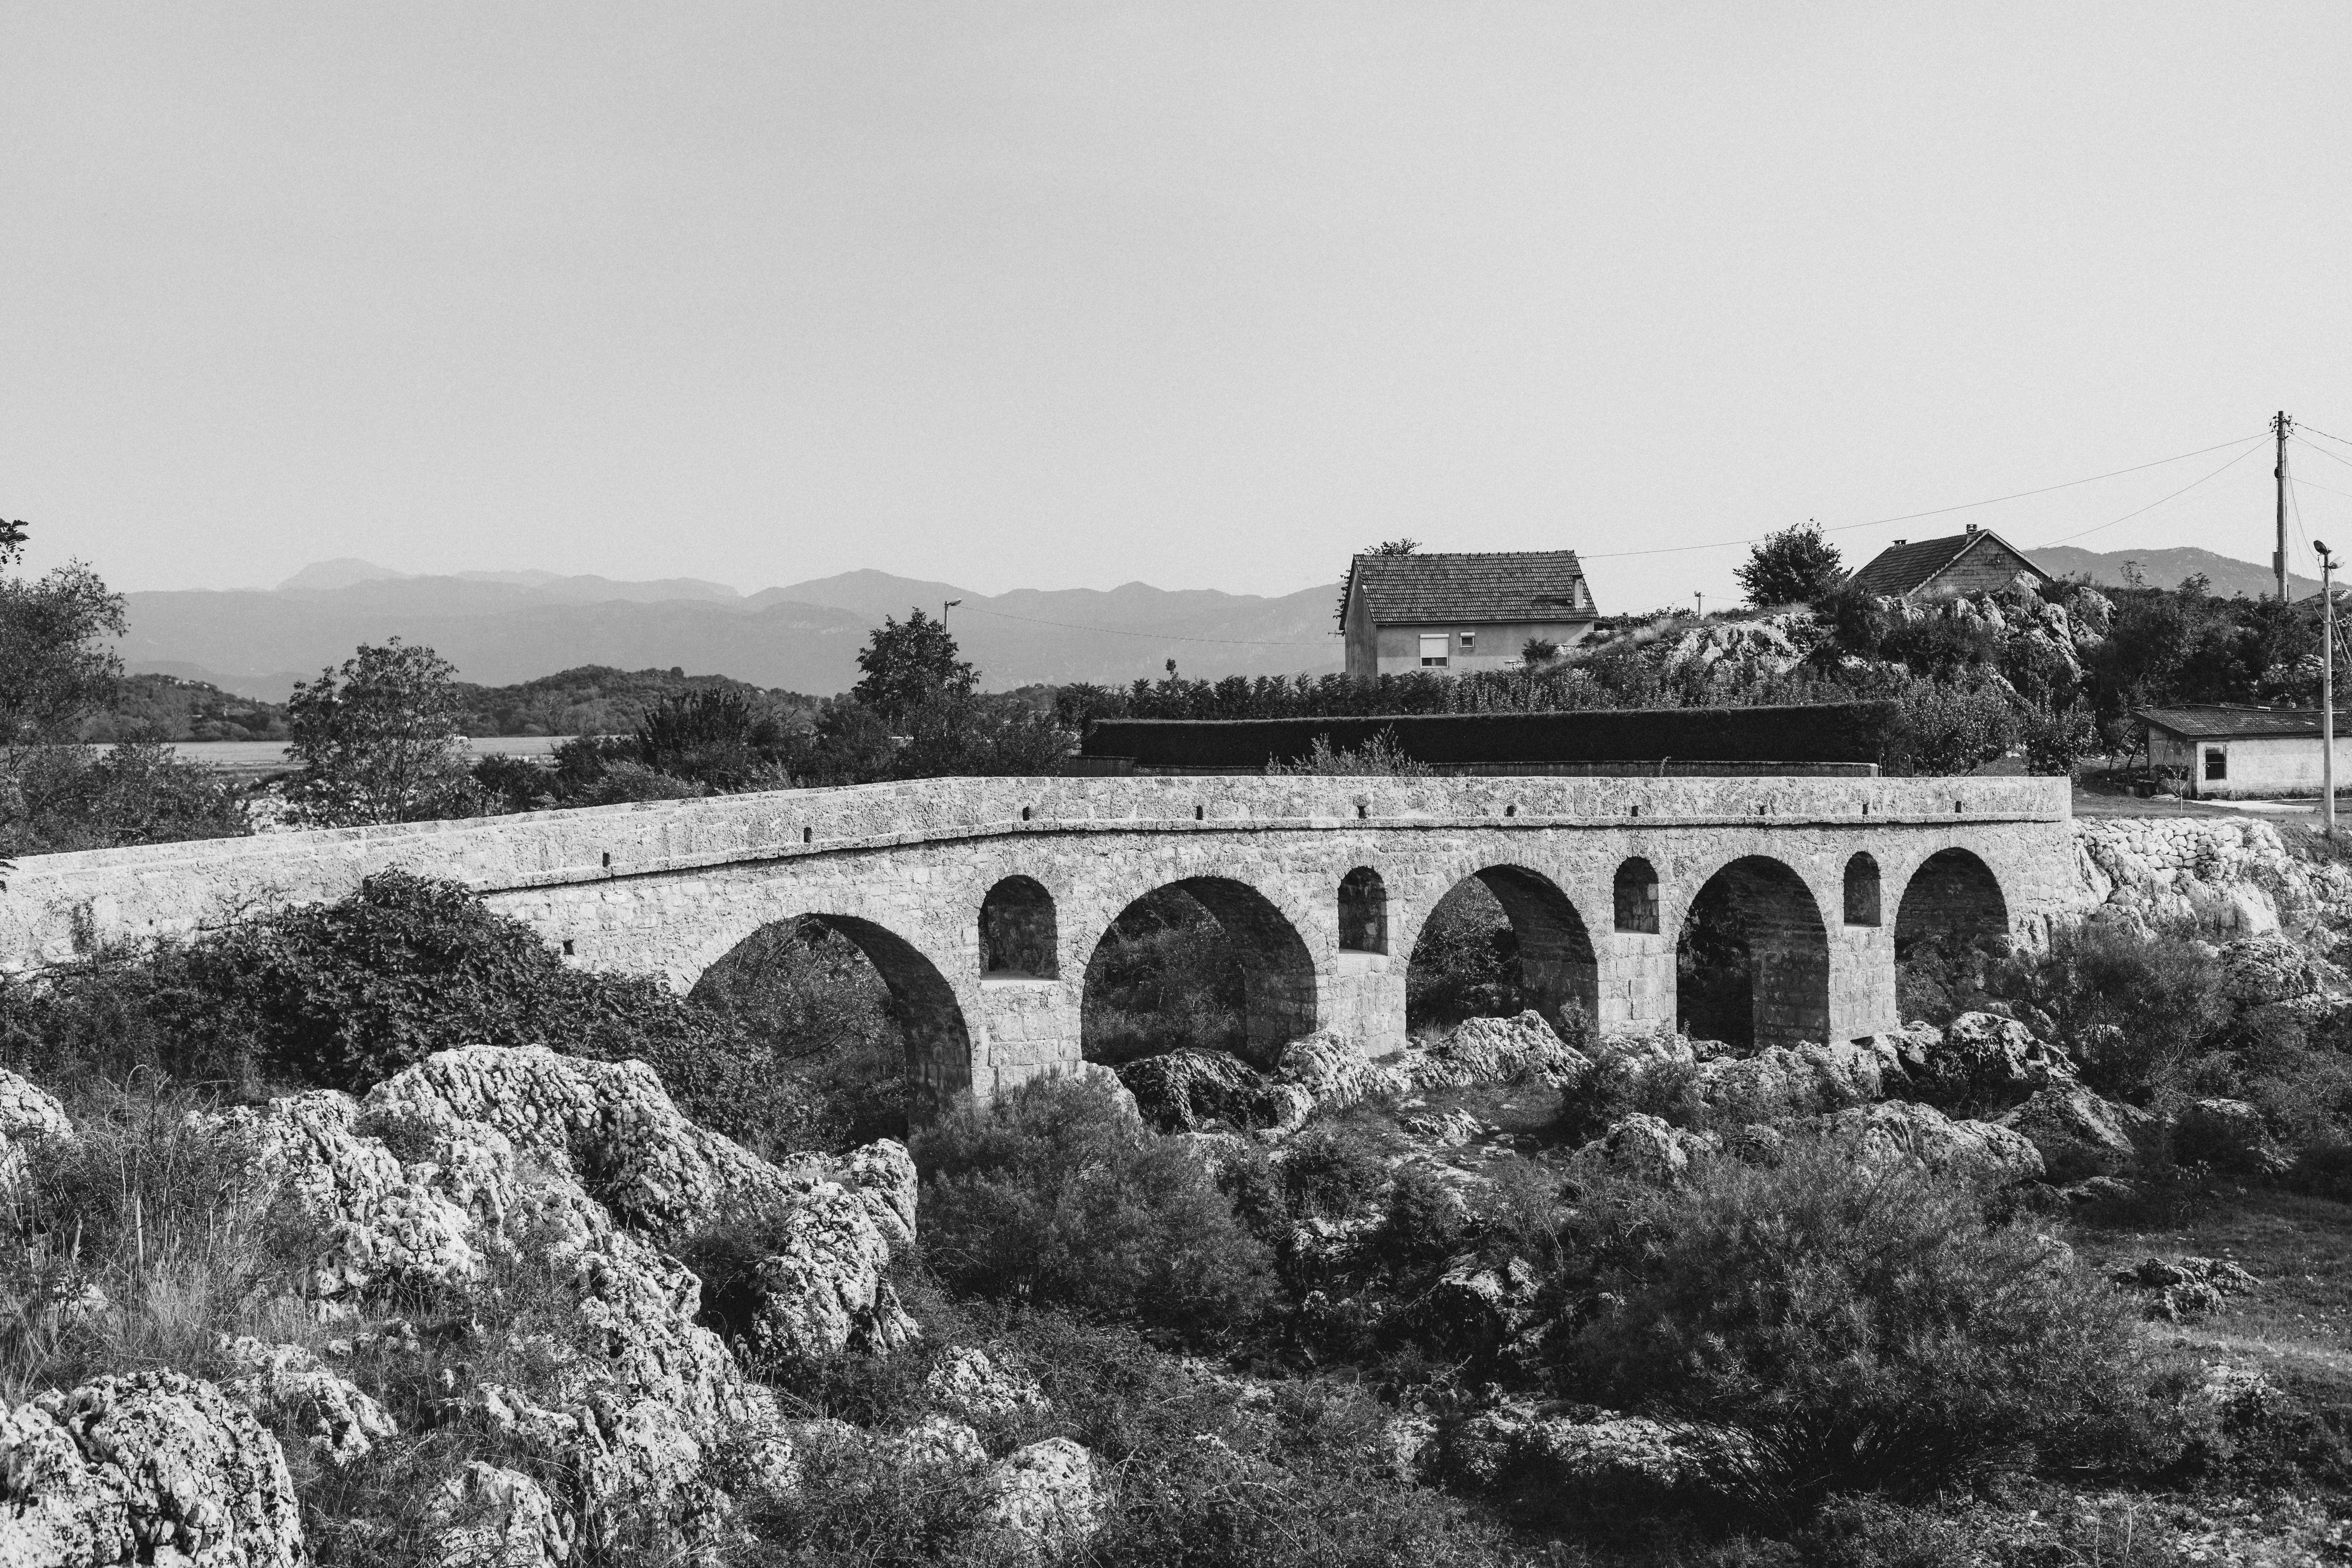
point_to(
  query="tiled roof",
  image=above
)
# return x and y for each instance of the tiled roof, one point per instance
(2228, 723)
(1900, 569)
(1509, 585)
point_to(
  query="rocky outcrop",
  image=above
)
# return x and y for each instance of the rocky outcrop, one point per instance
(1646, 1148)
(1981, 1059)
(1183, 1090)
(972, 1386)
(487, 1517)
(1558, 1453)
(1900, 1130)
(1044, 1496)
(825, 1289)
(287, 1387)
(1522, 1049)
(2186, 1288)
(154, 1467)
(1333, 1068)
(2230, 877)
(28, 1113)
(1792, 1080)
(610, 1125)
(2227, 1134)
(2077, 1134)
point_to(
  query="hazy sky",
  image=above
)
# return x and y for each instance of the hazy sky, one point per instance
(1069, 295)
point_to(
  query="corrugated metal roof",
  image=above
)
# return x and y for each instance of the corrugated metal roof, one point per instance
(1507, 586)
(2222, 723)
(1901, 569)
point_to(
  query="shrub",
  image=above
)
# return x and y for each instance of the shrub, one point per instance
(1850, 1329)
(59, 798)
(1466, 963)
(1054, 1195)
(2133, 1010)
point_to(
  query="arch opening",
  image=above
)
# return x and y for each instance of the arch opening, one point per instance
(1952, 922)
(1206, 961)
(1752, 959)
(1862, 892)
(1363, 912)
(853, 1011)
(1501, 940)
(1019, 939)
(1636, 896)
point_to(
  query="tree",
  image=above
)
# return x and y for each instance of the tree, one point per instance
(908, 665)
(1394, 547)
(55, 663)
(1794, 566)
(383, 743)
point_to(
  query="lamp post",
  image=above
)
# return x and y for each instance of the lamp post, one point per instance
(2326, 688)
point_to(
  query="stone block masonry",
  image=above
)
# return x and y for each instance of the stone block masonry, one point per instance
(905, 869)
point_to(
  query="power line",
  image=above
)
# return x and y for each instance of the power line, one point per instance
(1933, 512)
(2152, 506)
(2339, 440)
(2315, 484)
(2330, 455)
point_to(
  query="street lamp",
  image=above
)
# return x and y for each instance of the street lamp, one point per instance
(2326, 688)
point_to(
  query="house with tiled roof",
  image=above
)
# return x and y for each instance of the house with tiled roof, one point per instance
(1458, 612)
(1972, 562)
(2232, 752)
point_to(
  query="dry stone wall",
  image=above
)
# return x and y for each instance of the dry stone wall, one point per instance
(903, 870)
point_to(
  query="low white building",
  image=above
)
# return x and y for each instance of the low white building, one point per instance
(2245, 752)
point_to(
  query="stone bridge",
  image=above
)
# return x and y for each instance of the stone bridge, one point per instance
(980, 900)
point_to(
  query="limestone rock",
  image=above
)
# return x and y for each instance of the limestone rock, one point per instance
(973, 1385)
(2076, 1132)
(939, 1443)
(1523, 1049)
(152, 1467)
(1983, 1058)
(1448, 1128)
(2225, 1133)
(1481, 1308)
(1901, 1130)
(1570, 1453)
(1332, 1067)
(486, 1517)
(286, 1386)
(1045, 1496)
(2186, 1288)
(27, 1113)
(1179, 1090)
(1647, 1149)
(1791, 1080)
(609, 1123)
(825, 1288)
(2269, 969)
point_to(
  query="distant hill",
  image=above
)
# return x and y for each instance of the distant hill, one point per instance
(2168, 568)
(500, 629)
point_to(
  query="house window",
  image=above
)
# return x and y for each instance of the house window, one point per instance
(2217, 765)
(1469, 643)
(1434, 648)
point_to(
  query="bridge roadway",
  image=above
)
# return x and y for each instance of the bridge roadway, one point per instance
(980, 900)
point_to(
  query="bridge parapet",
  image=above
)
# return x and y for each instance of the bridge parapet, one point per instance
(57, 905)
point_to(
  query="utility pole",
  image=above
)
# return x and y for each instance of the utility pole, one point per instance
(950, 604)
(1701, 605)
(2280, 426)
(2326, 688)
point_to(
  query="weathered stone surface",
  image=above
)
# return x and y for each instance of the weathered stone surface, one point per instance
(825, 1289)
(1180, 1090)
(1046, 1496)
(2227, 1134)
(1900, 1130)
(1611, 1453)
(286, 1387)
(1333, 1067)
(2186, 1288)
(1647, 1149)
(1448, 1128)
(27, 1113)
(610, 1124)
(971, 1384)
(487, 1517)
(2230, 877)
(1984, 1059)
(1780, 1081)
(2270, 969)
(152, 1467)
(2077, 1134)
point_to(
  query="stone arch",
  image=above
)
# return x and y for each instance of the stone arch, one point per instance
(1276, 972)
(1636, 896)
(1557, 963)
(1363, 912)
(922, 1003)
(1018, 932)
(1952, 899)
(1752, 958)
(1863, 897)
